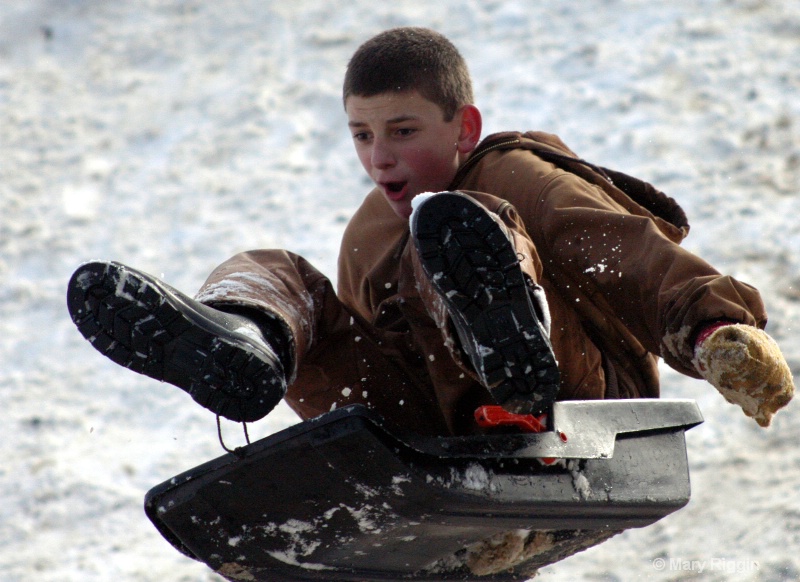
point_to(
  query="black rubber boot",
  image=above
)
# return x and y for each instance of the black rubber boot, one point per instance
(474, 267)
(224, 361)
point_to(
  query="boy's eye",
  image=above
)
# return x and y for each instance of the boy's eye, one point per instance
(361, 136)
(405, 131)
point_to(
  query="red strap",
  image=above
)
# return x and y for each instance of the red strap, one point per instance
(493, 416)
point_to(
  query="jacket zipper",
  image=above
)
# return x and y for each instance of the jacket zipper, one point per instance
(475, 158)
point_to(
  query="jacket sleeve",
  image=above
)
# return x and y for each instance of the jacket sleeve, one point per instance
(626, 264)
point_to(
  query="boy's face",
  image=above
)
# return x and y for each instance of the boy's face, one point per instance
(406, 146)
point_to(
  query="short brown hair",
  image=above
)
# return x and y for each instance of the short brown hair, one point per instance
(410, 59)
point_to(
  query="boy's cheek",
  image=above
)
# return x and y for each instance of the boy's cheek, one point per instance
(435, 174)
(364, 159)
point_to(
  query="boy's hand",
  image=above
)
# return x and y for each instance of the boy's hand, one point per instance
(747, 367)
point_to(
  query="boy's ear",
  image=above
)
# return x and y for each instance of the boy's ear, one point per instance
(471, 126)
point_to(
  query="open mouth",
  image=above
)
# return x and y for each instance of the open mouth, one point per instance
(394, 190)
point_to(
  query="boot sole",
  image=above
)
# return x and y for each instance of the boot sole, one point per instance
(140, 324)
(475, 269)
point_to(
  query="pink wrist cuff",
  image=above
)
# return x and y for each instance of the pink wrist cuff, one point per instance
(708, 330)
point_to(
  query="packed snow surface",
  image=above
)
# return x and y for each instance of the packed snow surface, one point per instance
(170, 134)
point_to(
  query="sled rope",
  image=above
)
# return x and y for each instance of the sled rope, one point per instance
(238, 450)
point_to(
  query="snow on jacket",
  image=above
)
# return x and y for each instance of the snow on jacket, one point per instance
(620, 288)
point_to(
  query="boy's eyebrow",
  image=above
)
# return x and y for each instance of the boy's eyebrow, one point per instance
(398, 119)
(402, 118)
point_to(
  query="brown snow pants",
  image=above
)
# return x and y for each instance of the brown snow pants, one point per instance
(411, 371)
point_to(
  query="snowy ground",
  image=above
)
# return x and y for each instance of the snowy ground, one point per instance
(171, 134)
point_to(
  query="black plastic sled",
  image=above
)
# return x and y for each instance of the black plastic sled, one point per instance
(340, 497)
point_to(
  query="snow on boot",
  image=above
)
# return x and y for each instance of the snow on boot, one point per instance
(747, 367)
(224, 361)
(498, 315)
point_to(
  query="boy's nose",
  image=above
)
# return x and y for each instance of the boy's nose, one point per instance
(382, 155)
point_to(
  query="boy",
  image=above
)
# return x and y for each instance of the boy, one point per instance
(432, 320)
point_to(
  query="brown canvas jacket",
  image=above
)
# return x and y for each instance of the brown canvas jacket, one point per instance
(621, 290)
